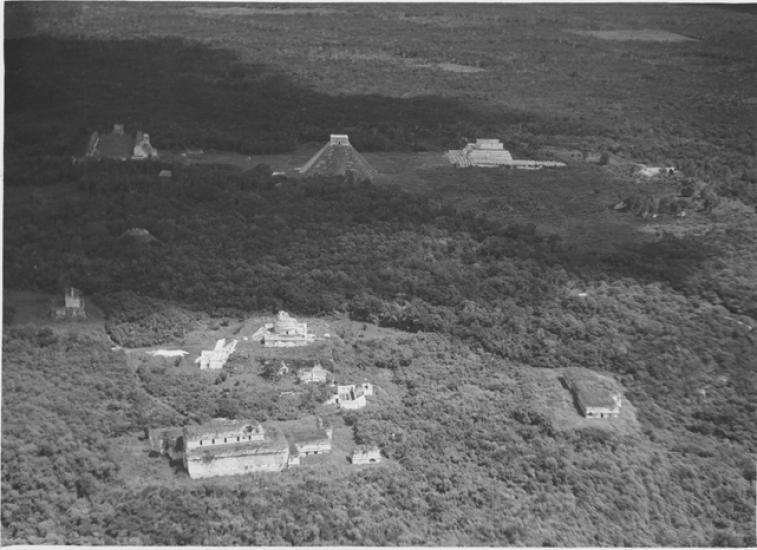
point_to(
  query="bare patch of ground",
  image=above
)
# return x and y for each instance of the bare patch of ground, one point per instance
(450, 67)
(646, 35)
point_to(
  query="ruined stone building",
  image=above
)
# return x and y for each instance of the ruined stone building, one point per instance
(307, 371)
(366, 454)
(217, 357)
(339, 158)
(120, 146)
(285, 331)
(73, 306)
(489, 153)
(309, 440)
(143, 149)
(168, 441)
(596, 396)
(231, 447)
(351, 397)
(315, 375)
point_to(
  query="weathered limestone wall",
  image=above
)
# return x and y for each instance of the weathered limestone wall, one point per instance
(313, 447)
(267, 462)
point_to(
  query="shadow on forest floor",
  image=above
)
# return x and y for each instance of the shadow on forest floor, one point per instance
(189, 95)
(671, 260)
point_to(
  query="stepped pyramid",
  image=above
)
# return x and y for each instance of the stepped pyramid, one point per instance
(338, 158)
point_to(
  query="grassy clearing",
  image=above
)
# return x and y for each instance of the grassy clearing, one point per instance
(646, 35)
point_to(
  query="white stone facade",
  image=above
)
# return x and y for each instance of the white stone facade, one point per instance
(142, 147)
(366, 455)
(217, 357)
(315, 375)
(339, 139)
(603, 412)
(245, 459)
(286, 332)
(231, 447)
(351, 397)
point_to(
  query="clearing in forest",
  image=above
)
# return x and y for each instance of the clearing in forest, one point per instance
(558, 401)
(645, 35)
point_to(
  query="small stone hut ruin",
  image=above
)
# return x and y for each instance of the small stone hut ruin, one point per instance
(120, 146)
(72, 307)
(351, 397)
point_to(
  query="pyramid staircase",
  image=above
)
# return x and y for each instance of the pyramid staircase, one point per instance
(338, 158)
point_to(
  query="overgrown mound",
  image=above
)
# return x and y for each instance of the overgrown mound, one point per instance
(137, 321)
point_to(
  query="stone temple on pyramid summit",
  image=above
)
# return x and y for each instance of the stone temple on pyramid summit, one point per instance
(339, 158)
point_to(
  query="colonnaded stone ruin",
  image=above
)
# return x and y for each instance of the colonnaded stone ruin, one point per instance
(73, 306)
(339, 158)
(120, 146)
(596, 396)
(490, 153)
(285, 331)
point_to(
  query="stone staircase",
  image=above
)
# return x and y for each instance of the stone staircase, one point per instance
(458, 159)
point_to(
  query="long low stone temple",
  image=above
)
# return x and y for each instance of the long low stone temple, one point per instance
(223, 447)
(490, 153)
(230, 447)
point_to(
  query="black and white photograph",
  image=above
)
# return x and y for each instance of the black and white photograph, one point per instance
(379, 274)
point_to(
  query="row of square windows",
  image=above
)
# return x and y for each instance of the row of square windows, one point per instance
(225, 440)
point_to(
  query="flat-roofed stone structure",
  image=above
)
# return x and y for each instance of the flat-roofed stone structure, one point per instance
(232, 447)
(596, 396)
